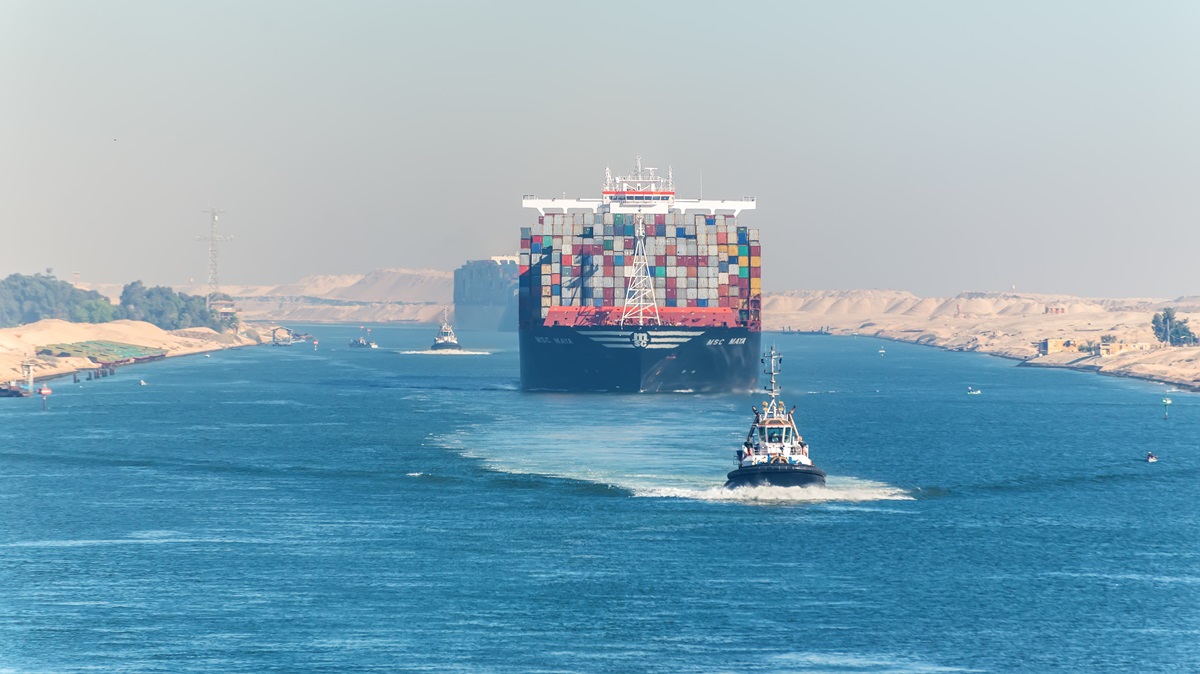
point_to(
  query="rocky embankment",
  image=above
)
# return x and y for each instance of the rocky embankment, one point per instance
(1002, 324)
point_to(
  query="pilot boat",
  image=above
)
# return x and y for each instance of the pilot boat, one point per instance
(445, 339)
(774, 453)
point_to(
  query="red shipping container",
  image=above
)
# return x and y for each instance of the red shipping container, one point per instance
(566, 260)
(755, 251)
(540, 220)
(691, 272)
(723, 302)
(555, 279)
(630, 242)
(671, 249)
(755, 272)
(671, 293)
(660, 260)
(721, 238)
(523, 269)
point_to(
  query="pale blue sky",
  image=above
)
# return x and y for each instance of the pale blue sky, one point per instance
(926, 146)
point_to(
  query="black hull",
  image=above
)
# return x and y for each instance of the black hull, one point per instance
(442, 346)
(776, 475)
(639, 360)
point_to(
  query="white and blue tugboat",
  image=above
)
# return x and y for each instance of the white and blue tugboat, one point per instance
(774, 453)
(445, 340)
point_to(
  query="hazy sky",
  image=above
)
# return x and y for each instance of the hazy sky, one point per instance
(928, 146)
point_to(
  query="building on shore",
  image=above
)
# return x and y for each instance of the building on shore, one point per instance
(485, 294)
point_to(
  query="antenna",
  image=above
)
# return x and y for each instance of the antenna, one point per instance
(214, 239)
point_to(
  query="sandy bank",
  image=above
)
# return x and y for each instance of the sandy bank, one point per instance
(1001, 324)
(22, 343)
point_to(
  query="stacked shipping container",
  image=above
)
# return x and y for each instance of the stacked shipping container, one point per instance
(586, 259)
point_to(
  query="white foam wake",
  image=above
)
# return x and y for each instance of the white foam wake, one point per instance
(447, 352)
(844, 490)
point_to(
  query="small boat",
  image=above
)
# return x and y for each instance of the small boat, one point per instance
(1151, 458)
(364, 342)
(882, 351)
(142, 382)
(972, 391)
(774, 453)
(445, 339)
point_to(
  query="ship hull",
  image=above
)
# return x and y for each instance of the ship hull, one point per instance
(658, 359)
(445, 346)
(776, 475)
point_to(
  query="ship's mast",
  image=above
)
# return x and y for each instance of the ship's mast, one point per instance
(774, 407)
(639, 297)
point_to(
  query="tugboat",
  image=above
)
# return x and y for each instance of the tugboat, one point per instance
(445, 339)
(364, 342)
(774, 453)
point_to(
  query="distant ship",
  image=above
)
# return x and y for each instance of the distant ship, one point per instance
(485, 294)
(774, 453)
(445, 339)
(639, 291)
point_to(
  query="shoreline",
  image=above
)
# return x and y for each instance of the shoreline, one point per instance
(27, 343)
(1031, 361)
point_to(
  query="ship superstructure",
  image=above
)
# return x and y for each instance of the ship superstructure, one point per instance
(639, 290)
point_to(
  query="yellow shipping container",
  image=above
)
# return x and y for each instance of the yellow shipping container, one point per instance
(755, 261)
(743, 261)
(731, 250)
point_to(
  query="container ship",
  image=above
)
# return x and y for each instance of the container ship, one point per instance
(485, 294)
(639, 291)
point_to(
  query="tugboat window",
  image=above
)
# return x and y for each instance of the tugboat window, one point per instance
(774, 435)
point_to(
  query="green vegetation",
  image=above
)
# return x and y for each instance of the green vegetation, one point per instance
(166, 308)
(25, 299)
(1174, 331)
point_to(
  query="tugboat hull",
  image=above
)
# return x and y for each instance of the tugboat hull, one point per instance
(445, 346)
(776, 475)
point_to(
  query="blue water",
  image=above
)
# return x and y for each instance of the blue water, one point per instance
(280, 509)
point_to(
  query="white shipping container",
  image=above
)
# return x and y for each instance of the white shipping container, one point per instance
(733, 271)
(671, 271)
(608, 218)
(691, 293)
(691, 282)
(524, 259)
(567, 248)
(681, 302)
(627, 270)
(660, 283)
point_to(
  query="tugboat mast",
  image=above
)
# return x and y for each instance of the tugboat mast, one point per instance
(774, 407)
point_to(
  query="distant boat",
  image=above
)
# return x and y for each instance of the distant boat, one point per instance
(972, 391)
(142, 382)
(882, 351)
(445, 340)
(364, 342)
(1151, 458)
